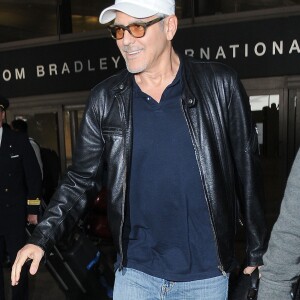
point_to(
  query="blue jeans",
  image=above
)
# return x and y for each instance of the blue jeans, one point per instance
(131, 284)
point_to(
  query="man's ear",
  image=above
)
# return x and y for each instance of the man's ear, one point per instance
(171, 23)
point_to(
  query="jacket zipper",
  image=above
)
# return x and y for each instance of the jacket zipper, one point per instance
(220, 267)
(124, 188)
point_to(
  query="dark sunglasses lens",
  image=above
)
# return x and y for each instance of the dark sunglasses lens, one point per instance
(116, 32)
(137, 30)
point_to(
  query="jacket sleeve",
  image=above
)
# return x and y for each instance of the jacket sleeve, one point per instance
(78, 184)
(33, 176)
(245, 149)
(282, 259)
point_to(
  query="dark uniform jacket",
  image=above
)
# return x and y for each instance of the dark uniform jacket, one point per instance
(218, 115)
(20, 181)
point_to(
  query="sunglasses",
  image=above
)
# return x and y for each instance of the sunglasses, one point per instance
(137, 30)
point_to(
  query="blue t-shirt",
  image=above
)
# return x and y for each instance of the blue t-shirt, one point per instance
(167, 230)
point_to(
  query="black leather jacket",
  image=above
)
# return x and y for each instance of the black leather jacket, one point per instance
(217, 111)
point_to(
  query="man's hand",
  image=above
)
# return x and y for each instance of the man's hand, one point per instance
(28, 252)
(249, 270)
(32, 219)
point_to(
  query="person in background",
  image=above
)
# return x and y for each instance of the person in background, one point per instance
(282, 259)
(177, 137)
(6, 263)
(21, 126)
(20, 188)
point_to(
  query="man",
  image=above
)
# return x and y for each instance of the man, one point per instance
(20, 186)
(177, 138)
(282, 259)
(21, 126)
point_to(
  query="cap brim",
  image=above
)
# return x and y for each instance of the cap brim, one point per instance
(133, 10)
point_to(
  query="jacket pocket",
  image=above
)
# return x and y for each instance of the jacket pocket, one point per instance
(15, 162)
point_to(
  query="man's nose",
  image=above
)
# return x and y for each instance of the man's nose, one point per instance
(128, 38)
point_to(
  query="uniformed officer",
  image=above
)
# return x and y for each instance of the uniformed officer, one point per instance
(20, 188)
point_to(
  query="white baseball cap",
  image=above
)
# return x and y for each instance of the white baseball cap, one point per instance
(138, 9)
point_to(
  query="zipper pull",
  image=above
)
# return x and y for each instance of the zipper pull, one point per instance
(120, 268)
(222, 270)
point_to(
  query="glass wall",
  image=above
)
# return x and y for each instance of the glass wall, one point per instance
(72, 119)
(27, 19)
(21, 19)
(265, 113)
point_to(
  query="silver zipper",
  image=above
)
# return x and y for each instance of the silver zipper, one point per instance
(124, 196)
(220, 267)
